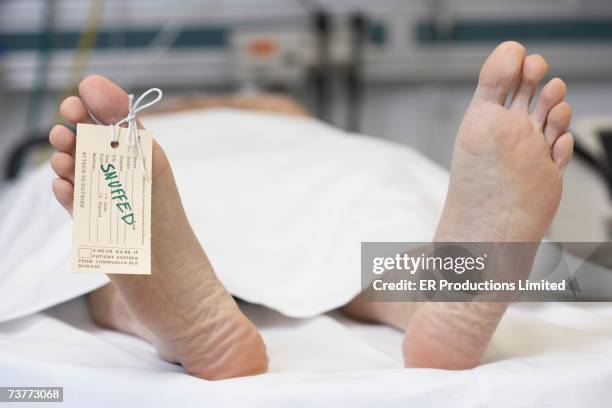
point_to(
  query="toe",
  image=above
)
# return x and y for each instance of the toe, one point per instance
(63, 165)
(552, 94)
(73, 111)
(558, 122)
(63, 139)
(105, 100)
(500, 72)
(562, 150)
(534, 69)
(63, 191)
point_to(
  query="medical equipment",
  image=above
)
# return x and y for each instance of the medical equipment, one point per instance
(412, 41)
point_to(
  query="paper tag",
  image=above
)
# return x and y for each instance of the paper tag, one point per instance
(112, 203)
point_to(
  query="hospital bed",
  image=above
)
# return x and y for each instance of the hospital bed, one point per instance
(306, 182)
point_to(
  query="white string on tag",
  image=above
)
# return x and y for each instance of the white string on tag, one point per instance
(130, 119)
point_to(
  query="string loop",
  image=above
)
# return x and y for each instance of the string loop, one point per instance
(130, 119)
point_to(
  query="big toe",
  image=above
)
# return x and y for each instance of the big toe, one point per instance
(500, 72)
(109, 103)
(104, 99)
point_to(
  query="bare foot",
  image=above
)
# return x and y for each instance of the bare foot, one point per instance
(182, 308)
(505, 186)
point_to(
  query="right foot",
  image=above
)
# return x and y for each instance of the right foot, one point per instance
(505, 186)
(182, 308)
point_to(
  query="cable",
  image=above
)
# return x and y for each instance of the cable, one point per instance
(320, 75)
(322, 71)
(354, 74)
(35, 137)
(161, 43)
(19, 153)
(35, 99)
(601, 167)
(85, 44)
(33, 133)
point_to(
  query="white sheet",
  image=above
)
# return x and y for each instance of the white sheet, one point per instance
(554, 355)
(280, 204)
(328, 192)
